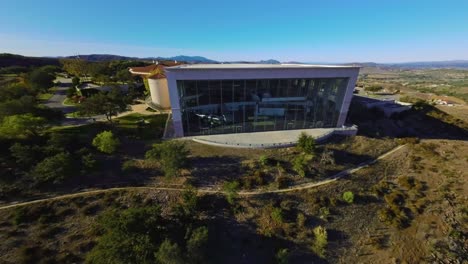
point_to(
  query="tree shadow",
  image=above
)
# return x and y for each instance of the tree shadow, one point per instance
(234, 242)
(212, 170)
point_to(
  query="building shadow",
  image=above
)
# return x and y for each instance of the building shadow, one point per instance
(423, 121)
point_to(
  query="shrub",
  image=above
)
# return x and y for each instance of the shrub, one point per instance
(169, 253)
(382, 188)
(300, 164)
(197, 245)
(88, 163)
(348, 197)
(301, 219)
(172, 155)
(306, 143)
(106, 142)
(20, 215)
(282, 256)
(282, 182)
(263, 160)
(270, 220)
(231, 190)
(277, 215)
(320, 241)
(53, 169)
(324, 212)
(129, 166)
(395, 198)
(373, 88)
(407, 182)
(90, 209)
(187, 207)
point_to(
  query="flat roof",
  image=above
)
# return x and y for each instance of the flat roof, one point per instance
(254, 66)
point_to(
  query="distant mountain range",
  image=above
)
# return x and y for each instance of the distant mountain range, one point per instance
(7, 59)
(461, 64)
(109, 57)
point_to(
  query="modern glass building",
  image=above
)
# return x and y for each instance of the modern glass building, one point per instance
(240, 98)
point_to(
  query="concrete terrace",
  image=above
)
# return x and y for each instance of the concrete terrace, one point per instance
(270, 139)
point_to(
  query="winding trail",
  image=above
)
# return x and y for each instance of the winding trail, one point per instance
(213, 191)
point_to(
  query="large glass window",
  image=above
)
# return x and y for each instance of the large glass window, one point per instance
(236, 106)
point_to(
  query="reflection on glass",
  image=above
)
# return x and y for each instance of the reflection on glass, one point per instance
(236, 106)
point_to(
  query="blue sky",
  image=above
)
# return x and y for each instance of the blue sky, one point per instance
(308, 31)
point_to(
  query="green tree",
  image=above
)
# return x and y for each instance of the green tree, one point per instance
(129, 236)
(76, 66)
(348, 197)
(15, 91)
(24, 105)
(40, 79)
(51, 69)
(306, 143)
(172, 155)
(75, 81)
(109, 104)
(169, 253)
(197, 245)
(106, 142)
(18, 126)
(71, 92)
(25, 155)
(53, 169)
(124, 76)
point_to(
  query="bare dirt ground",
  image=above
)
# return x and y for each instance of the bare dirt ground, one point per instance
(65, 230)
(437, 233)
(458, 111)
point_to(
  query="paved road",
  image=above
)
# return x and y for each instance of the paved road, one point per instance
(56, 101)
(211, 190)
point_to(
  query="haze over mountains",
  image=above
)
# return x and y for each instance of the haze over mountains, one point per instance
(19, 60)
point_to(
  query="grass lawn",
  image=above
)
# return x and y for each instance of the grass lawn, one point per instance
(152, 129)
(48, 95)
(73, 115)
(69, 102)
(44, 96)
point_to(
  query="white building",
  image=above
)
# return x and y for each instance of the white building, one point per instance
(237, 98)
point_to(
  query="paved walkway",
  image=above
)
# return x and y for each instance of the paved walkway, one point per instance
(214, 191)
(269, 139)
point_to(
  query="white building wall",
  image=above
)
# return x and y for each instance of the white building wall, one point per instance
(159, 92)
(174, 74)
(347, 100)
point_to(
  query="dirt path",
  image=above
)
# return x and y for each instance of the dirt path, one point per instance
(201, 190)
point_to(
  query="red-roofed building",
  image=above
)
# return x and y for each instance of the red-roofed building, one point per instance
(156, 78)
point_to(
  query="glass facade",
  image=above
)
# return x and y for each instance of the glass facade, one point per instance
(237, 106)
